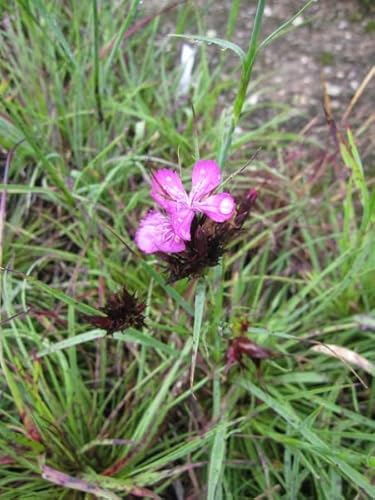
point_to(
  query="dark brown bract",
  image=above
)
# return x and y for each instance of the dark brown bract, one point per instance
(208, 242)
(121, 311)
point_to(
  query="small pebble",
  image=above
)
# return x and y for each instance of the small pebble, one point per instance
(253, 99)
(333, 90)
(343, 25)
(267, 11)
(298, 21)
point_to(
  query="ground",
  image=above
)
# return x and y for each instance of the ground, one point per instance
(334, 41)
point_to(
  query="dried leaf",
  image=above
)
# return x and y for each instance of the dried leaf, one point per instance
(74, 483)
(144, 493)
(187, 63)
(345, 355)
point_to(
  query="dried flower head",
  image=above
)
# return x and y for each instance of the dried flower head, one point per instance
(208, 242)
(121, 311)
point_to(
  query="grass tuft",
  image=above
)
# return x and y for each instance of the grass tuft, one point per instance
(91, 90)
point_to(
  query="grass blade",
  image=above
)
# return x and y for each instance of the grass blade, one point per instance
(71, 342)
(142, 338)
(217, 457)
(223, 44)
(281, 30)
(200, 296)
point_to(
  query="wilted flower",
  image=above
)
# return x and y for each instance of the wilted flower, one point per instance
(241, 346)
(121, 311)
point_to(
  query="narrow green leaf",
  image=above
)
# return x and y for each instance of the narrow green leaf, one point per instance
(142, 338)
(132, 10)
(248, 62)
(322, 449)
(72, 341)
(281, 30)
(223, 44)
(47, 23)
(20, 189)
(170, 291)
(247, 67)
(216, 462)
(152, 414)
(11, 135)
(200, 296)
(61, 296)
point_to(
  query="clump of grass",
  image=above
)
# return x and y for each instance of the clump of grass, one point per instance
(85, 413)
(326, 58)
(370, 27)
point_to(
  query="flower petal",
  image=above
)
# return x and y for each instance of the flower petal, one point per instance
(156, 234)
(170, 242)
(167, 189)
(206, 177)
(218, 207)
(181, 222)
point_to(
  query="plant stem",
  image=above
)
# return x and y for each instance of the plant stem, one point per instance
(98, 97)
(200, 296)
(247, 68)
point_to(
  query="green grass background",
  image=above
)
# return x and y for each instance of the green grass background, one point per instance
(91, 92)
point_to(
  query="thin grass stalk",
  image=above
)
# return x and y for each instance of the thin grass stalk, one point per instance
(233, 15)
(244, 82)
(97, 90)
(200, 297)
(120, 36)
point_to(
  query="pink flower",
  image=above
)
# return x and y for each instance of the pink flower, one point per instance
(168, 191)
(156, 234)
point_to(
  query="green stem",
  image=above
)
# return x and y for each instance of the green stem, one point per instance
(132, 10)
(200, 297)
(247, 68)
(249, 62)
(97, 92)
